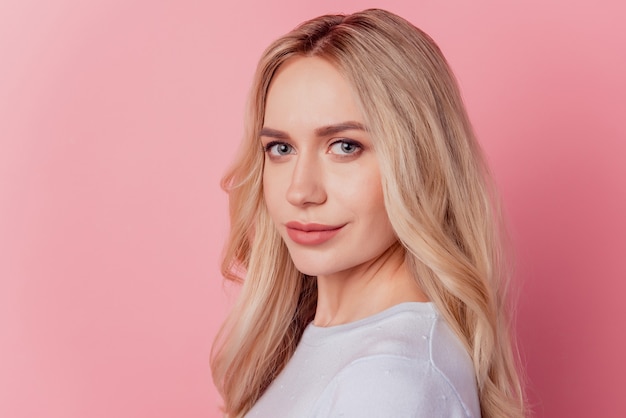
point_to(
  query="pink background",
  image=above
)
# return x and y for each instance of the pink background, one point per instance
(118, 117)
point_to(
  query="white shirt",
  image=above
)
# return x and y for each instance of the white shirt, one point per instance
(402, 362)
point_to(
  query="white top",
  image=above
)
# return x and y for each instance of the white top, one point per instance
(402, 362)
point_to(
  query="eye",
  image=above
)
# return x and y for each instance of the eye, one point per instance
(345, 147)
(276, 149)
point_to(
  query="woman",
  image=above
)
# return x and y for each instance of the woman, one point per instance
(362, 221)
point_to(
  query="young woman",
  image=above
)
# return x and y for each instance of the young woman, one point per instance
(365, 236)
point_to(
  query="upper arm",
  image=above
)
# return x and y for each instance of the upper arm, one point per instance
(390, 386)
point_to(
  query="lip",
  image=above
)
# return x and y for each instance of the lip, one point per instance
(311, 233)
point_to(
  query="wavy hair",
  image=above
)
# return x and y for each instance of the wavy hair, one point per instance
(438, 195)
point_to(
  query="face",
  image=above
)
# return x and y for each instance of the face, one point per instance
(321, 179)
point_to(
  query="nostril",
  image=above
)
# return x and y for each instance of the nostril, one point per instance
(306, 186)
(305, 193)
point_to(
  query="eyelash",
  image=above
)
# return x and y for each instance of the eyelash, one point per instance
(268, 147)
(272, 144)
(355, 144)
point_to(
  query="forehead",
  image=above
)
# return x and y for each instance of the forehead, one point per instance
(309, 92)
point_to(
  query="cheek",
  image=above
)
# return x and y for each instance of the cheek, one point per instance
(372, 207)
(376, 207)
(272, 191)
(364, 193)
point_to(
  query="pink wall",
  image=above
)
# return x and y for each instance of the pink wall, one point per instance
(118, 117)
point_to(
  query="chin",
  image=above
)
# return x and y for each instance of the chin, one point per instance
(306, 265)
(317, 267)
(310, 270)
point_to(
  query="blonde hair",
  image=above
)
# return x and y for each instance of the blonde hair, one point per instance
(437, 194)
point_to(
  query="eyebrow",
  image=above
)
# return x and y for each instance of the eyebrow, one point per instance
(320, 132)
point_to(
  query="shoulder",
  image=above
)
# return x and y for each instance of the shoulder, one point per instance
(454, 364)
(424, 374)
(385, 386)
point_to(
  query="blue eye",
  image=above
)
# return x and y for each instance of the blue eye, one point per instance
(345, 147)
(278, 148)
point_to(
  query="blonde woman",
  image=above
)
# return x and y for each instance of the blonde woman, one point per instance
(365, 236)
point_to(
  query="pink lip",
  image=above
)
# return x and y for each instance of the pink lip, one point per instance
(311, 234)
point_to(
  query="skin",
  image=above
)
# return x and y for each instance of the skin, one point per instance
(321, 167)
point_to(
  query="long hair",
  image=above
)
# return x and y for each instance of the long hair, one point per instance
(438, 195)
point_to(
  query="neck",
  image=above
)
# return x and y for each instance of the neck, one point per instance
(366, 289)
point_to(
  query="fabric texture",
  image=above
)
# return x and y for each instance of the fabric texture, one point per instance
(402, 362)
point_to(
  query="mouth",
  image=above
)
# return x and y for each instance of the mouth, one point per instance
(311, 233)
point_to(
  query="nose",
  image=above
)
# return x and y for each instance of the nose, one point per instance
(306, 186)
